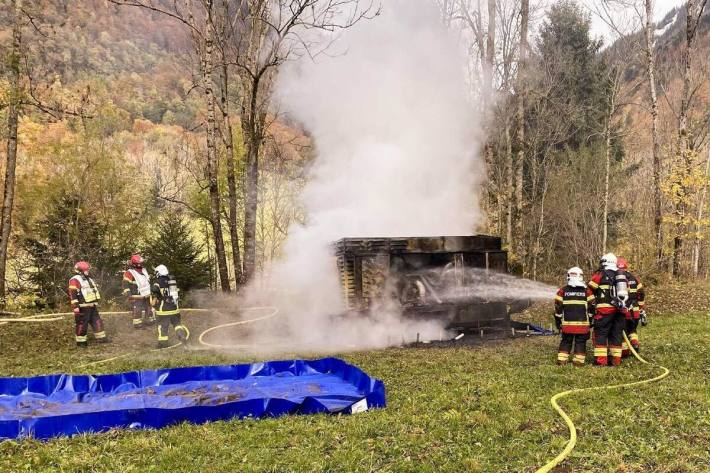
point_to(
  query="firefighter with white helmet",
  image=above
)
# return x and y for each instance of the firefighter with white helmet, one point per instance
(166, 299)
(572, 315)
(136, 288)
(611, 291)
(84, 299)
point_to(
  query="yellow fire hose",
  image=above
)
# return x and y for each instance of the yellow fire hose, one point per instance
(200, 339)
(570, 425)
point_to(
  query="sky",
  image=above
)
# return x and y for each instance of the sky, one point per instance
(599, 28)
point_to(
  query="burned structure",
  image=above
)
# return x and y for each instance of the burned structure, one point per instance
(429, 277)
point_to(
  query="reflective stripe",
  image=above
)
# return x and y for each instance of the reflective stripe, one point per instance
(600, 351)
(183, 328)
(593, 284)
(142, 281)
(615, 351)
(604, 286)
(573, 302)
(634, 337)
(161, 337)
(590, 298)
(90, 304)
(558, 298)
(159, 312)
(71, 286)
(579, 358)
(576, 323)
(100, 334)
(604, 306)
(80, 338)
(562, 356)
(137, 321)
(74, 301)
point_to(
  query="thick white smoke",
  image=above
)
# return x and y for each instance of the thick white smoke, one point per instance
(397, 143)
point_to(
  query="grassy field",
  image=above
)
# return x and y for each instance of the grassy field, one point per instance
(449, 409)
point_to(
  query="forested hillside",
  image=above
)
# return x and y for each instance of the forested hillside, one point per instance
(128, 111)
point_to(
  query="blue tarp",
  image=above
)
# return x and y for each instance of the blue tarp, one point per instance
(64, 404)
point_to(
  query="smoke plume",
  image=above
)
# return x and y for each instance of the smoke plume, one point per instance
(396, 142)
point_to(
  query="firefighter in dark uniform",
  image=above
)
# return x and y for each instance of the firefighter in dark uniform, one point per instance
(136, 288)
(636, 308)
(167, 307)
(572, 315)
(610, 290)
(84, 298)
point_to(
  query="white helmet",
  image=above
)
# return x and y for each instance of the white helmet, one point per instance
(575, 277)
(161, 270)
(608, 261)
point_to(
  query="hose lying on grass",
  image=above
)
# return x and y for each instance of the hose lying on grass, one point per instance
(570, 425)
(60, 315)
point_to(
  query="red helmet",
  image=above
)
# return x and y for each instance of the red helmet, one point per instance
(82, 267)
(621, 263)
(136, 261)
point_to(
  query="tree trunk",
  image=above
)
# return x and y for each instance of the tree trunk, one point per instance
(701, 204)
(520, 134)
(212, 164)
(509, 190)
(693, 10)
(607, 136)
(488, 92)
(13, 116)
(656, 149)
(253, 140)
(231, 176)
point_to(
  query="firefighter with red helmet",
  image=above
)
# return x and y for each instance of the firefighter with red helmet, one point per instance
(136, 288)
(636, 307)
(610, 289)
(84, 298)
(572, 314)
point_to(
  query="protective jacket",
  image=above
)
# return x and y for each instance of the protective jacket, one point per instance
(602, 287)
(136, 284)
(637, 296)
(573, 305)
(165, 296)
(83, 292)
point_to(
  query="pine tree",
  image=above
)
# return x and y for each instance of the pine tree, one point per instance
(175, 247)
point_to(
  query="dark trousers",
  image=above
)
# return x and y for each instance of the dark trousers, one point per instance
(573, 343)
(608, 329)
(88, 316)
(164, 322)
(142, 312)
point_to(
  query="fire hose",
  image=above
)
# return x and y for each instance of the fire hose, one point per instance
(60, 315)
(570, 425)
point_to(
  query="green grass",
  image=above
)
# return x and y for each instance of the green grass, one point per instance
(449, 409)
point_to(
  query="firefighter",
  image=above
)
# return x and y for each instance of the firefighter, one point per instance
(572, 317)
(610, 291)
(636, 308)
(167, 308)
(136, 288)
(84, 298)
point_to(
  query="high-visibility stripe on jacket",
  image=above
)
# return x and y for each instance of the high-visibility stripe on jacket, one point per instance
(131, 287)
(164, 291)
(601, 286)
(572, 307)
(83, 292)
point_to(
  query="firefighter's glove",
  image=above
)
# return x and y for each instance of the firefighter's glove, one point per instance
(643, 319)
(76, 311)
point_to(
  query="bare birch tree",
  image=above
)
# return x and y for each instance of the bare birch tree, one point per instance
(274, 32)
